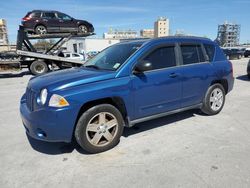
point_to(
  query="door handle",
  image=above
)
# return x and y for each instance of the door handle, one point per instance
(173, 75)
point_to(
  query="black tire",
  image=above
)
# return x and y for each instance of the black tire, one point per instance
(207, 104)
(82, 136)
(248, 75)
(40, 30)
(38, 67)
(83, 28)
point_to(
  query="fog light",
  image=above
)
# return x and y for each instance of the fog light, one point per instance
(41, 134)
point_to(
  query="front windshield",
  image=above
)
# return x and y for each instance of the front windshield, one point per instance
(113, 57)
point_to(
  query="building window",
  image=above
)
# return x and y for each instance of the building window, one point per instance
(75, 48)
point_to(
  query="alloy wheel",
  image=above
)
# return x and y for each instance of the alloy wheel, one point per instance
(216, 99)
(102, 129)
(41, 30)
(83, 29)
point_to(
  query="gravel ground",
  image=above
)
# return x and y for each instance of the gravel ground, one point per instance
(181, 150)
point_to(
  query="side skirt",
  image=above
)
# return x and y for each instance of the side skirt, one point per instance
(133, 122)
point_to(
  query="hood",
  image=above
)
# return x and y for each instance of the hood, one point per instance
(69, 78)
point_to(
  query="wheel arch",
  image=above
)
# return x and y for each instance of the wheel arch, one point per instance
(223, 82)
(117, 102)
(38, 25)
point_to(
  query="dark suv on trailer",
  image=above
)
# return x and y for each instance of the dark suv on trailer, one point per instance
(42, 22)
(125, 84)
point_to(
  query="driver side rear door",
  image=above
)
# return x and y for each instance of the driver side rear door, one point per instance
(50, 21)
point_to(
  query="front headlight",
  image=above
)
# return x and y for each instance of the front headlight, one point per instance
(58, 101)
(43, 96)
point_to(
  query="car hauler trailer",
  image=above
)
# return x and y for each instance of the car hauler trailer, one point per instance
(40, 63)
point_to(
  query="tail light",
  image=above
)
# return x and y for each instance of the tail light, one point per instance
(26, 18)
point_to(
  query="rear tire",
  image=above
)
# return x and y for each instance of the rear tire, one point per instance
(214, 100)
(40, 30)
(38, 67)
(99, 128)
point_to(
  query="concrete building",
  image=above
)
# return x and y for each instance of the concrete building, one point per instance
(161, 27)
(120, 34)
(86, 45)
(147, 33)
(228, 35)
(3, 33)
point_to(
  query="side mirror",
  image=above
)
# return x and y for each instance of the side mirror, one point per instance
(142, 66)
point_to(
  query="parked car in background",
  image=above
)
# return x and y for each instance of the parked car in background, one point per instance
(247, 52)
(91, 54)
(74, 56)
(45, 21)
(248, 69)
(234, 53)
(125, 84)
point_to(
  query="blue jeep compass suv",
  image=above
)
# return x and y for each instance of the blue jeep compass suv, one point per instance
(125, 84)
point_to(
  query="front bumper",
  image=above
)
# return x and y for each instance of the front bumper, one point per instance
(49, 124)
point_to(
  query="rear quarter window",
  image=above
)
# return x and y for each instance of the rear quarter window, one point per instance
(210, 49)
(35, 15)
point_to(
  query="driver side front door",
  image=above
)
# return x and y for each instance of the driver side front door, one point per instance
(158, 90)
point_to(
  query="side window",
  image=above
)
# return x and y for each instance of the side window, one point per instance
(36, 15)
(49, 15)
(162, 57)
(192, 54)
(210, 49)
(75, 55)
(63, 16)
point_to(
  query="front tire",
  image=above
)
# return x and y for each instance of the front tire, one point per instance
(82, 29)
(99, 128)
(214, 100)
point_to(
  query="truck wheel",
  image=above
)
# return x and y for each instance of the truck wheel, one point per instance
(214, 100)
(40, 30)
(99, 128)
(38, 68)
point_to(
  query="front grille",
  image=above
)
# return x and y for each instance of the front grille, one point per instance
(30, 99)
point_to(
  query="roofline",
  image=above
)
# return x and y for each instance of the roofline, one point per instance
(144, 40)
(184, 37)
(44, 11)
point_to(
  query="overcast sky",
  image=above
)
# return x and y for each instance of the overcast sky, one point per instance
(195, 17)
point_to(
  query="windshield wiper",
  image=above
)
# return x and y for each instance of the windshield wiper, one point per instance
(92, 66)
